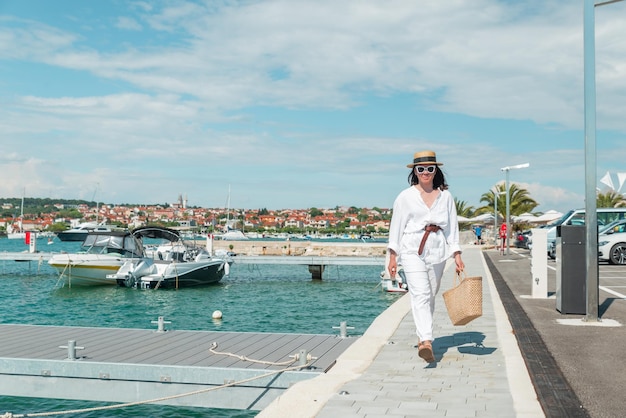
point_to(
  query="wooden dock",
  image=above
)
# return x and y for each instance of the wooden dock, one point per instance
(316, 264)
(131, 365)
(24, 256)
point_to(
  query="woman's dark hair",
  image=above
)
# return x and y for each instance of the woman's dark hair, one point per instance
(439, 182)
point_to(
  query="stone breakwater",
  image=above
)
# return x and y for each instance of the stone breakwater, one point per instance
(302, 248)
(314, 248)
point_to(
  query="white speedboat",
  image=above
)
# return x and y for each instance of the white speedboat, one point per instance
(102, 253)
(234, 235)
(80, 232)
(171, 264)
(396, 285)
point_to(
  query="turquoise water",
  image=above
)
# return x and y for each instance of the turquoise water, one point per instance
(263, 298)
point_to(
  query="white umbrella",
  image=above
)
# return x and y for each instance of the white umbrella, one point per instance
(485, 217)
(525, 217)
(549, 216)
(462, 218)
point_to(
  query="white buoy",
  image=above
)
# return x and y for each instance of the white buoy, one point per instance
(217, 315)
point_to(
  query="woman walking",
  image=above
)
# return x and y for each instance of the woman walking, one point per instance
(423, 234)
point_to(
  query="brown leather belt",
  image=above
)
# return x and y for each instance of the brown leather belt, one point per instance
(429, 228)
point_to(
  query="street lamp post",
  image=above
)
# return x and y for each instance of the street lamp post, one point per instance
(496, 194)
(591, 215)
(508, 209)
(495, 217)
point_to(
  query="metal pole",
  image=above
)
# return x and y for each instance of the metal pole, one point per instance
(508, 203)
(508, 213)
(591, 216)
(495, 219)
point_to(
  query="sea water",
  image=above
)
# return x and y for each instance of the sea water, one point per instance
(253, 298)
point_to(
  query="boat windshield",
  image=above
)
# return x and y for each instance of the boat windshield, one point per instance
(124, 245)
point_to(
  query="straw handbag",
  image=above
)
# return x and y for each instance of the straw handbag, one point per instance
(465, 300)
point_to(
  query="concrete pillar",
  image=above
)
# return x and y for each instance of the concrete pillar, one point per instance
(316, 271)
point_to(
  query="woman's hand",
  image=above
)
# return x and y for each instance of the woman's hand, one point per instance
(460, 266)
(393, 265)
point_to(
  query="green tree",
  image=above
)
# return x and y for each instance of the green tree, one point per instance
(462, 208)
(610, 199)
(519, 200)
(58, 227)
(315, 212)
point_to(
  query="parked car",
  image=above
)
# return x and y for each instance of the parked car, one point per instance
(577, 217)
(615, 226)
(612, 247)
(552, 249)
(523, 239)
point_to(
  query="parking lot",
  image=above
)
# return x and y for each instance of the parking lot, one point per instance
(586, 353)
(611, 281)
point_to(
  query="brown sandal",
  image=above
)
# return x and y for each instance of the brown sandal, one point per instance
(426, 352)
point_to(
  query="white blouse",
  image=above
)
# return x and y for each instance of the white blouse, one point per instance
(410, 217)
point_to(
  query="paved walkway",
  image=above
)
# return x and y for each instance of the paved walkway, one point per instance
(479, 371)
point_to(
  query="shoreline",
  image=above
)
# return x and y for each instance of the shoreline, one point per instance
(312, 248)
(302, 248)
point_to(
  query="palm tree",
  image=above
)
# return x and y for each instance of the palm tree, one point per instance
(489, 199)
(462, 209)
(610, 199)
(519, 200)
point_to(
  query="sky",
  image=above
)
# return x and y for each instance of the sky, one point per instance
(298, 103)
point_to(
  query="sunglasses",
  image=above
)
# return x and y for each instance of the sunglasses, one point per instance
(429, 169)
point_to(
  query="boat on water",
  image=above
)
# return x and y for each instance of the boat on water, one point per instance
(396, 284)
(102, 253)
(173, 263)
(80, 232)
(16, 231)
(233, 235)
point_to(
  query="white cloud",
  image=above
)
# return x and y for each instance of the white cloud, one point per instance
(264, 94)
(128, 23)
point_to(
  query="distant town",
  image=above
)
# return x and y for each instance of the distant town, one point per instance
(50, 215)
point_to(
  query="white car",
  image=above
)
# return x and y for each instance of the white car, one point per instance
(612, 247)
(613, 227)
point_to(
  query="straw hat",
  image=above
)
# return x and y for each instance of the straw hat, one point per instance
(424, 158)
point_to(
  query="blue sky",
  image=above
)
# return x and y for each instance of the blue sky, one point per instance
(297, 104)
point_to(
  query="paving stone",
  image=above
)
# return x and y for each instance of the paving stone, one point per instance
(469, 380)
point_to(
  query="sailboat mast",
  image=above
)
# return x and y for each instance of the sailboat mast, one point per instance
(21, 223)
(97, 203)
(228, 210)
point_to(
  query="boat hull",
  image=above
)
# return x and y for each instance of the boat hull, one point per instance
(190, 274)
(86, 269)
(16, 235)
(72, 236)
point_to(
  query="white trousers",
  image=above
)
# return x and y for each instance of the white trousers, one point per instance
(424, 282)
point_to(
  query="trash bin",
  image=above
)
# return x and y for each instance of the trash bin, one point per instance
(571, 268)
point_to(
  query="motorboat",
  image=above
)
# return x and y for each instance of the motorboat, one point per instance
(172, 263)
(393, 285)
(396, 284)
(234, 235)
(102, 253)
(80, 232)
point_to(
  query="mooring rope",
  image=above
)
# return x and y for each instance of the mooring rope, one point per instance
(244, 358)
(165, 398)
(63, 272)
